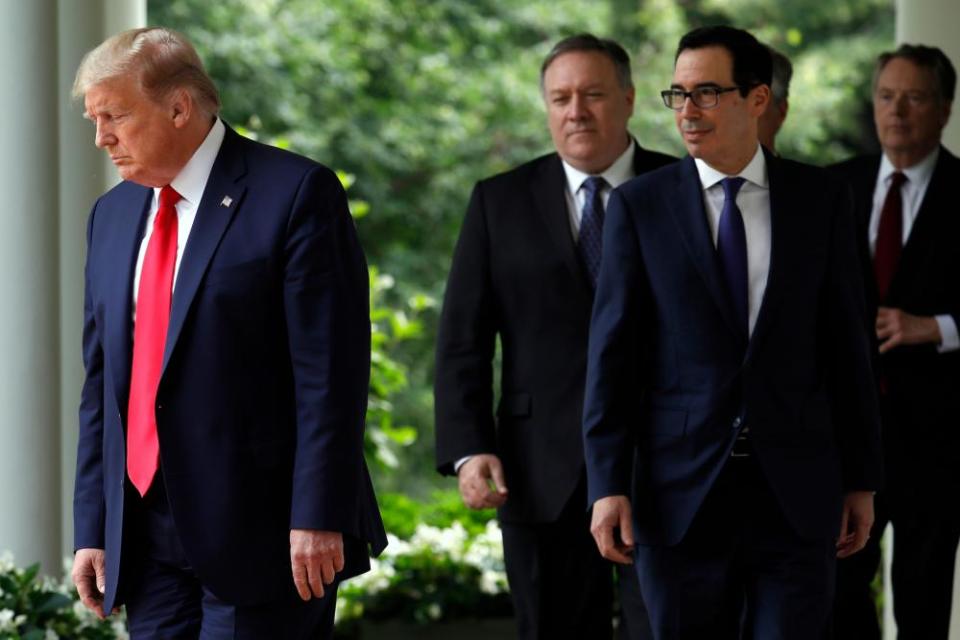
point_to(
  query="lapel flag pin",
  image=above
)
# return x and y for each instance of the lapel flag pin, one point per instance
(226, 202)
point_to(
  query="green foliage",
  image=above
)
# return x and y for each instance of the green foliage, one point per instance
(32, 608)
(437, 574)
(421, 98)
(402, 514)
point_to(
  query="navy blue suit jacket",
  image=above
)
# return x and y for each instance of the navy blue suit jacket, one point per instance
(802, 381)
(262, 397)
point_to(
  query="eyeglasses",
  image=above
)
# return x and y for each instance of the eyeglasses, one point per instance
(703, 97)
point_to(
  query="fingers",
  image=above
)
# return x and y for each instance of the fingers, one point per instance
(89, 577)
(626, 529)
(475, 478)
(300, 580)
(610, 516)
(315, 557)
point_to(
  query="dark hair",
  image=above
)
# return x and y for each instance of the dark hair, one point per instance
(590, 42)
(925, 57)
(782, 73)
(752, 65)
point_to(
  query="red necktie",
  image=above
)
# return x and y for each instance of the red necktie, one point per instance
(149, 336)
(886, 253)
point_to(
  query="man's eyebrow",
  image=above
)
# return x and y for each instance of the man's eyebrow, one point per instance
(701, 85)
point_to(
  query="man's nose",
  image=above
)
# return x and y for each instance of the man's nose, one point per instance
(577, 109)
(104, 137)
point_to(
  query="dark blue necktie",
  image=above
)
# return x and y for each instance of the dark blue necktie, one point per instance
(591, 226)
(732, 249)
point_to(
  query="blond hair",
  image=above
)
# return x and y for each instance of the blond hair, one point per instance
(161, 59)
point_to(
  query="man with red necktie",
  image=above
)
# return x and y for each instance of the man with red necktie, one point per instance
(221, 489)
(909, 226)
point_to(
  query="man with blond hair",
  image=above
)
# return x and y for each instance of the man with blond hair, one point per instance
(221, 490)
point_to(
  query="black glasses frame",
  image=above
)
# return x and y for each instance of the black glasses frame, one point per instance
(697, 96)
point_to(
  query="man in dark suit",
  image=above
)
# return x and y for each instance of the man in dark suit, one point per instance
(769, 124)
(524, 270)
(221, 489)
(730, 282)
(909, 229)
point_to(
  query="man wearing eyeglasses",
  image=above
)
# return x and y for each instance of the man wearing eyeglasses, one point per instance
(524, 271)
(908, 225)
(730, 284)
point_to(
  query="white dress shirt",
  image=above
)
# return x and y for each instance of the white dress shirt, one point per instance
(911, 194)
(189, 183)
(753, 200)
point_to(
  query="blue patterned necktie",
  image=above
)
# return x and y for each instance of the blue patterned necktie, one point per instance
(732, 249)
(591, 226)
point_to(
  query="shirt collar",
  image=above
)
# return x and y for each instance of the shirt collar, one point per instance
(755, 172)
(917, 174)
(192, 179)
(616, 174)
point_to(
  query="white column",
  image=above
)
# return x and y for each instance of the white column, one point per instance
(933, 23)
(85, 173)
(29, 338)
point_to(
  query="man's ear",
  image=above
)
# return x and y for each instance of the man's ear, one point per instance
(181, 107)
(758, 99)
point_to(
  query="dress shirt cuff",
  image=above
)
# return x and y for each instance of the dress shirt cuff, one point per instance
(949, 339)
(462, 461)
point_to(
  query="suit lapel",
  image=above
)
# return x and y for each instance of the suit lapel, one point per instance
(691, 220)
(222, 196)
(783, 215)
(128, 225)
(924, 225)
(549, 195)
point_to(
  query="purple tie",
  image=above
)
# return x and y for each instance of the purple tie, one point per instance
(732, 249)
(591, 226)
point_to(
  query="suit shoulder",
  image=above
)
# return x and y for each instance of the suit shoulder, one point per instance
(281, 161)
(856, 168)
(654, 180)
(648, 160)
(521, 175)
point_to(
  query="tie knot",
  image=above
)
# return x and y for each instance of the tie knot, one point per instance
(593, 185)
(169, 197)
(897, 178)
(731, 187)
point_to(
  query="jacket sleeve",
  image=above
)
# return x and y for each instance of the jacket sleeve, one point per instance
(326, 307)
(88, 499)
(463, 387)
(849, 370)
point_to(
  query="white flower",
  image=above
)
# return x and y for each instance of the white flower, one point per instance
(6, 620)
(51, 635)
(6, 561)
(120, 630)
(434, 611)
(449, 542)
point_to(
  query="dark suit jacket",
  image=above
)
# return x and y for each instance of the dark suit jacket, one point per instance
(517, 273)
(802, 382)
(922, 404)
(261, 402)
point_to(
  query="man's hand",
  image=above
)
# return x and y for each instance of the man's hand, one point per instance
(90, 577)
(475, 478)
(856, 523)
(896, 327)
(609, 515)
(315, 557)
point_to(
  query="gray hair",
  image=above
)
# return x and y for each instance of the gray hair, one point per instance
(589, 42)
(931, 58)
(782, 74)
(161, 59)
